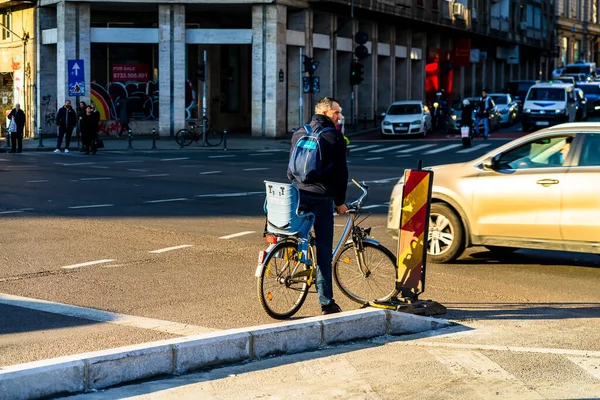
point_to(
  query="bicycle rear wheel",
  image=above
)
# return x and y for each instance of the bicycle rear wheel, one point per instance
(280, 295)
(213, 137)
(184, 137)
(375, 280)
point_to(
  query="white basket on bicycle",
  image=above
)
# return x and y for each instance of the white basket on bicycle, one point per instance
(282, 210)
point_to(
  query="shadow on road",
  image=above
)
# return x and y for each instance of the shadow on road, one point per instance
(521, 311)
(531, 257)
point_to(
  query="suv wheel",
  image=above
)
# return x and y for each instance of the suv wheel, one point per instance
(445, 241)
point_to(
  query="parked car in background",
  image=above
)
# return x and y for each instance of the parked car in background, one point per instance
(582, 108)
(566, 79)
(409, 117)
(507, 107)
(579, 78)
(531, 193)
(518, 90)
(588, 69)
(549, 104)
(453, 121)
(592, 93)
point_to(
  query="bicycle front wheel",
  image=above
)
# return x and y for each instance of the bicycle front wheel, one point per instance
(372, 279)
(213, 137)
(184, 137)
(280, 291)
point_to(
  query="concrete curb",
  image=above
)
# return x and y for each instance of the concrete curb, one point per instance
(102, 369)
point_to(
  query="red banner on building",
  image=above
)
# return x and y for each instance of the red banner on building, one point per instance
(130, 72)
(462, 53)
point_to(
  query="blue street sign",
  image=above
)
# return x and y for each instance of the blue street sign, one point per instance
(76, 78)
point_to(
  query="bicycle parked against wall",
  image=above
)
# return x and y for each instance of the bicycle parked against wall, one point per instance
(185, 137)
(363, 269)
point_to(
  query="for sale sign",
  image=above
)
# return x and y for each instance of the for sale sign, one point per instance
(130, 72)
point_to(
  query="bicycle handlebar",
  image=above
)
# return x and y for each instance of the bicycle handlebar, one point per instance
(356, 204)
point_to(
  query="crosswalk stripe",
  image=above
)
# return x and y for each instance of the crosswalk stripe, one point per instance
(474, 148)
(590, 365)
(425, 146)
(485, 377)
(388, 148)
(366, 147)
(451, 146)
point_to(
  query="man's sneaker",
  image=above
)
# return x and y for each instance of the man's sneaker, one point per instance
(330, 308)
(66, 150)
(57, 151)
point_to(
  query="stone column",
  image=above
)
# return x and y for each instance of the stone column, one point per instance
(385, 68)
(45, 74)
(171, 69)
(268, 57)
(73, 42)
(417, 75)
(366, 90)
(403, 66)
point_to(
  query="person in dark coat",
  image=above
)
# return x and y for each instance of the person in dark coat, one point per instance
(66, 120)
(124, 115)
(16, 138)
(89, 131)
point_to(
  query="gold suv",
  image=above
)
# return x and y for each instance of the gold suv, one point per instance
(541, 191)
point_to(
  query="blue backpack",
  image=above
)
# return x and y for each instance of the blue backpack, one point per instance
(306, 161)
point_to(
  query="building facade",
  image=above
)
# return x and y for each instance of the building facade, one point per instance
(577, 31)
(150, 53)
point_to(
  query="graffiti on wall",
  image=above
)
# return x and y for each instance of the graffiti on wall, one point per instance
(142, 101)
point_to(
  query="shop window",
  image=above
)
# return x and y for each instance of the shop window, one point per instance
(230, 79)
(7, 23)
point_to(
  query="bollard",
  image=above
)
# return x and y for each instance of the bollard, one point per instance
(224, 139)
(129, 147)
(153, 139)
(41, 138)
(365, 121)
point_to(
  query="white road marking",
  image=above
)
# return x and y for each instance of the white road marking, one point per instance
(388, 180)
(96, 179)
(255, 169)
(259, 154)
(99, 167)
(484, 376)
(128, 161)
(87, 264)
(423, 147)
(4, 159)
(227, 156)
(236, 235)
(175, 159)
(75, 164)
(137, 170)
(373, 158)
(474, 148)
(451, 146)
(366, 148)
(210, 172)
(103, 316)
(183, 246)
(11, 212)
(590, 365)
(166, 200)
(388, 148)
(38, 181)
(229, 194)
(153, 175)
(403, 155)
(351, 146)
(92, 206)
(27, 209)
(190, 166)
(373, 206)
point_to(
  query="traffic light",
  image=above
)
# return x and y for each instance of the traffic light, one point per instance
(361, 51)
(356, 73)
(311, 84)
(310, 65)
(201, 71)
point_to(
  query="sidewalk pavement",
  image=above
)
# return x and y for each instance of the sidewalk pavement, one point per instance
(236, 141)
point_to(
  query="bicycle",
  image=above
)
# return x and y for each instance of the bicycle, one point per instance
(363, 269)
(185, 137)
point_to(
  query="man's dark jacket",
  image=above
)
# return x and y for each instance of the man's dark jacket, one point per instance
(66, 118)
(19, 119)
(335, 179)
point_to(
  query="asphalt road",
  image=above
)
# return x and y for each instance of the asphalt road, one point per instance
(173, 236)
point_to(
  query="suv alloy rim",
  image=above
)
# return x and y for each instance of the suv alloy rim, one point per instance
(441, 234)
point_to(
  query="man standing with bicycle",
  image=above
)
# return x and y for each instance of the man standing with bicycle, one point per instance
(319, 194)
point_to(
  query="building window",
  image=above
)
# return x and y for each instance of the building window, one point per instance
(435, 5)
(421, 3)
(7, 23)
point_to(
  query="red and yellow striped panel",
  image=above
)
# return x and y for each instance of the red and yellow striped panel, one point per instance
(413, 220)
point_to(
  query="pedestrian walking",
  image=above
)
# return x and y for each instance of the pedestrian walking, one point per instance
(124, 115)
(16, 127)
(328, 189)
(66, 120)
(89, 131)
(483, 114)
(80, 115)
(466, 123)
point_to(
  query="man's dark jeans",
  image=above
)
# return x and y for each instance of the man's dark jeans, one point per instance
(322, 207)
(61, 133)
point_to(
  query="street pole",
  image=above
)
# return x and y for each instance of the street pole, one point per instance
(300, 116)
(584, 26)
(204, 143)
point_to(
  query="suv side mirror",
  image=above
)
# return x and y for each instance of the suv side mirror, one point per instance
(383, 114)
(490, 163)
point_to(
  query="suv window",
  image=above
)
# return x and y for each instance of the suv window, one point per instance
(540, 153)
(546, 94)
(590, 153)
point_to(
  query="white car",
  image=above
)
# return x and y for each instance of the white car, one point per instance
(508, 109)
(410, 117)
